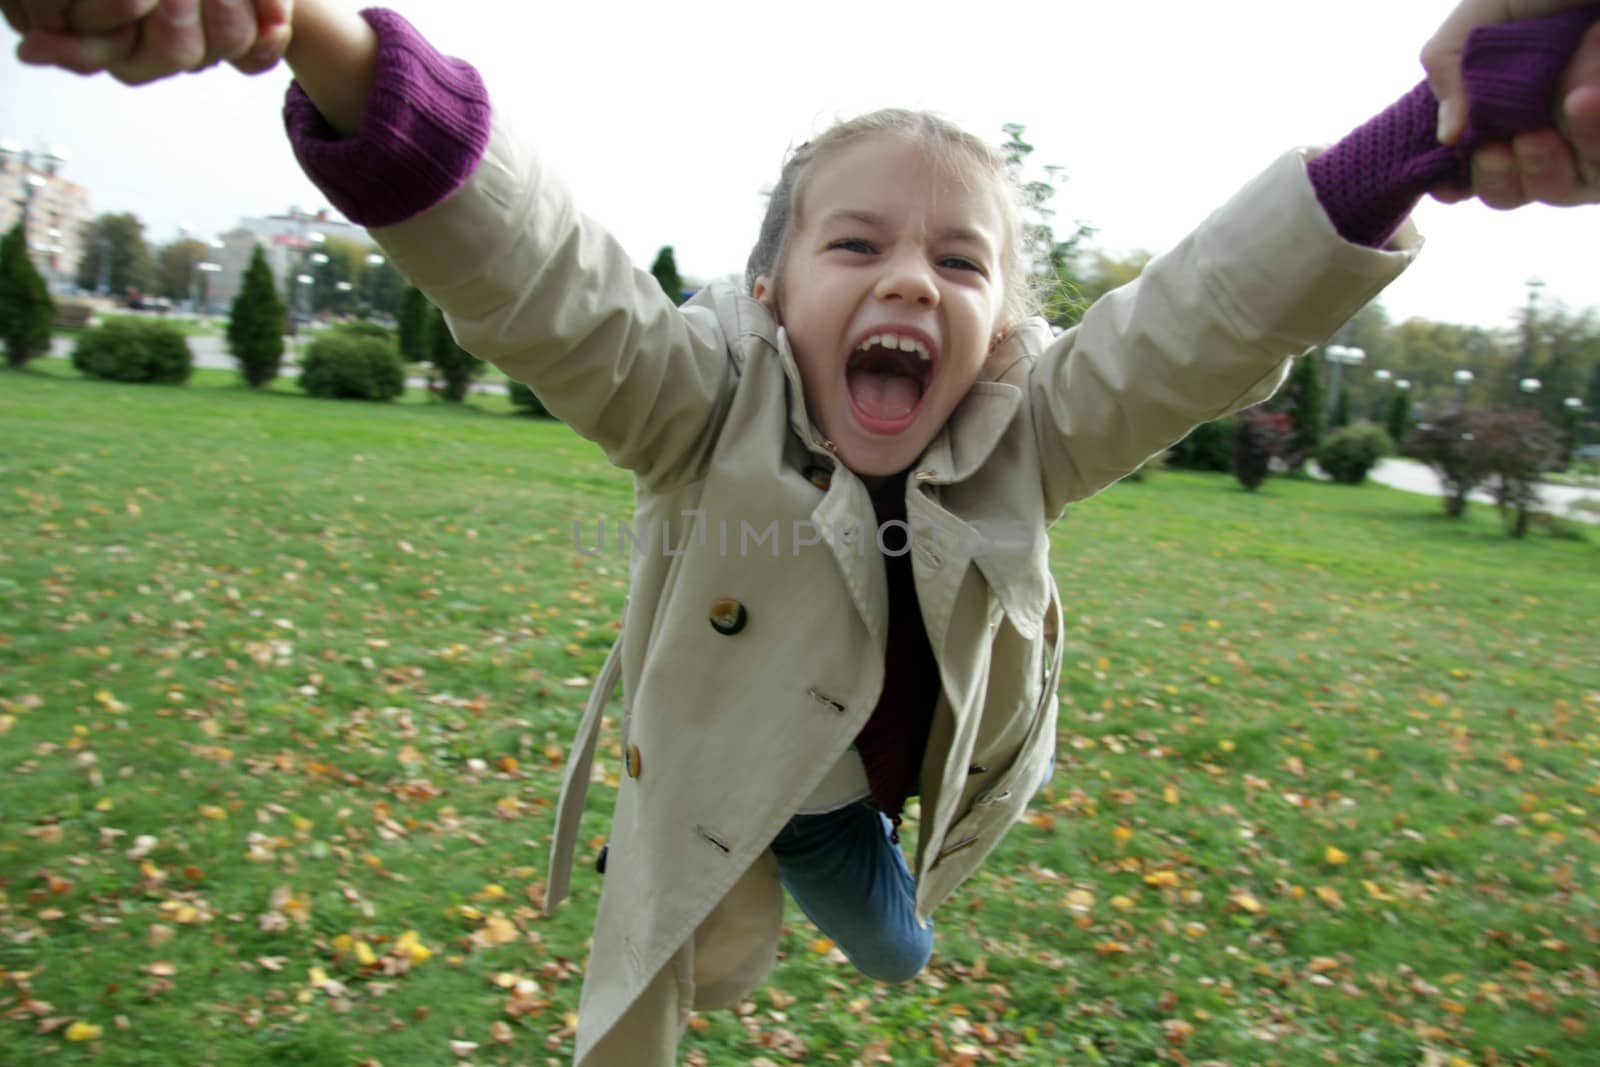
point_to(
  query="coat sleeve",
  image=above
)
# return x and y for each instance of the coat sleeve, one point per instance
(546, 294)
(1208, 328)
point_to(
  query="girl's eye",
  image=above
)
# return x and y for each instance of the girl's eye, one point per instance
(853, 244)
(961, 263)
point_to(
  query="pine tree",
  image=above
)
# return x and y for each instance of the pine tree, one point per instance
(256, 324)
(1301, 400)
(413, 324)
(665, 269)
(456, 366)
(1399, 421)
(27, 314)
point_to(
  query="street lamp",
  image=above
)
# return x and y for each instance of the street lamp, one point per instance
(1462, 378)
(1341, 356)
(1530, 386)
(203, 269)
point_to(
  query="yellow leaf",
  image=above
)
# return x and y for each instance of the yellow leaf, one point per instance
(1122, 834)
(1122, 903)
(1170, 794)
(1226, 746)
(1246, 902)
(364, 954)
(1194, 930)
(1374, 890)
(1335, 856)
(211, 811)
(317, 977)
(1329, 896)
(104, 804)
(822, 946)
(82, 1031)
(1080, 900)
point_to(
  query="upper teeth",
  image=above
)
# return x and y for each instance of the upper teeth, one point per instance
(894, 340)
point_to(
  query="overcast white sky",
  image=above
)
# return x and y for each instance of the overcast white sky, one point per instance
(668, 119)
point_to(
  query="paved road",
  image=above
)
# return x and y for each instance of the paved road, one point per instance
(1413, 477)
(210, 351)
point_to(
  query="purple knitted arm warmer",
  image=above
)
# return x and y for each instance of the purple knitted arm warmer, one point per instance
(1370, 181)
(425, 127)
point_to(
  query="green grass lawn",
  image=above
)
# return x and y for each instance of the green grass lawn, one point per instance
(285, 686)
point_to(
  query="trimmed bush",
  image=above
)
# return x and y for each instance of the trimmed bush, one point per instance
(341, 365)
(1209, 447)
(134, 350)
(526, 401)
(362, 328)
(1348, 454)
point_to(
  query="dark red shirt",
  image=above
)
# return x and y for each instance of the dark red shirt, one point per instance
(896, 736)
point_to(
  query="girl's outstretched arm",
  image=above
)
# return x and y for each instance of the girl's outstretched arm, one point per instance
(334, 55)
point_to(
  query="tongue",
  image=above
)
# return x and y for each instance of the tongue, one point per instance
(884, 396)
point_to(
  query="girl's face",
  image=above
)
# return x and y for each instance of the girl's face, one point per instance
(891, 296)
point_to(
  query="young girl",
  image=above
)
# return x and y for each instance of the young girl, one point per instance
(847, 460)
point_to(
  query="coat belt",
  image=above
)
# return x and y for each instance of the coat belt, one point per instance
(575, 782)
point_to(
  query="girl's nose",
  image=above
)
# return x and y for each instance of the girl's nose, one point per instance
(908, 278)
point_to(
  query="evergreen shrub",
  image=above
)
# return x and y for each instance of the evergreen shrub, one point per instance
(526, 401)
(342, 365)
(134, 350)
(27, 315)
(256, 324)
(1208, 448)
(1348, 454)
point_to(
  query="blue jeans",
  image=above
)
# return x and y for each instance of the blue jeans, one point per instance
(851, 880)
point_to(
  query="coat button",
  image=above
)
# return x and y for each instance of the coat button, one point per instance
(600, 860)
(819, 476)
(635, 761)
(728, 616)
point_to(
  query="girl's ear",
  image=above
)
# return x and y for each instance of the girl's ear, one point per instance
(764, 294)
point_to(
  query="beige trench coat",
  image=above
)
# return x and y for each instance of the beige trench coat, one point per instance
(728, 734)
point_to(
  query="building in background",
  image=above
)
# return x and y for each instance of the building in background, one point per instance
(57, 210)
(289, 241)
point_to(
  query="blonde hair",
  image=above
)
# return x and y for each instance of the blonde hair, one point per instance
(957, 152)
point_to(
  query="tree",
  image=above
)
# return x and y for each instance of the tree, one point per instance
(115, 256)
(333, 288)
(665, 270)
(1301, 400)
(176, 266)
(1053, 263)
(413, 322)
(27, 314)
(380, 285)
(1107, 272)
(256, 324)
(456, 366)
(1447, 444)
(1398, 420)
(1516, 448)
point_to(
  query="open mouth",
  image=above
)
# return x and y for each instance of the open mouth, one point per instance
(887, 375)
